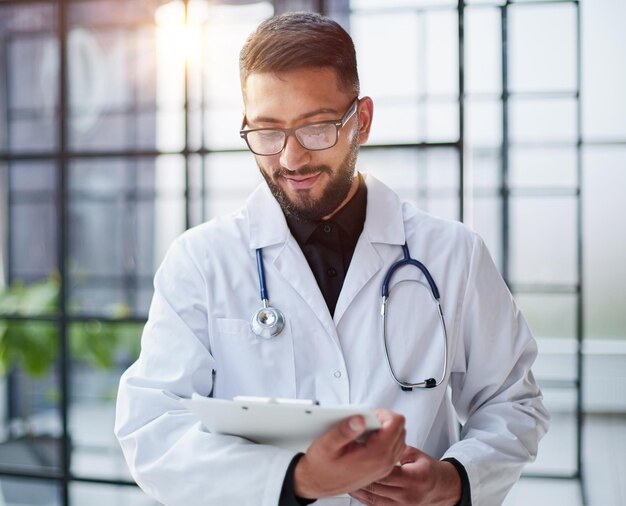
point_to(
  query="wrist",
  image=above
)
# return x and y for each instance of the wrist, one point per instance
(302, 481)
(451, 483)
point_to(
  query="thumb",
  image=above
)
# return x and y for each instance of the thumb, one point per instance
(344, 433)
(410, 454)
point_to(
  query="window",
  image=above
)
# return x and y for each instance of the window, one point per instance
(119, 129)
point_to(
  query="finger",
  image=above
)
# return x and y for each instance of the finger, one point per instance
(381, 489)
(342, 434)
(387, 417)
(390, 440)
(391, 425)
(370, 499)
(397, 478)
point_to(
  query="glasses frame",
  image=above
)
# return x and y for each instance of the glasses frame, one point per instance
(292, 131)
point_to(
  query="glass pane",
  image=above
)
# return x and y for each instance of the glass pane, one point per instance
(483, 122)
(542, 51)
(395, 167)
(557, 450)
(543, 121)
(441, 46)
(429, 45)
(396, 122)
(603, 78)
(425, 178)
(107, 495)
(483, 169)
(29, 492)
(100, 353)
(228, 180)
(30, 92)
(604, 210)
(444, 207)
(483, 51)
(32, 221)
(549, 315)
(543, 168)
(29, 395)
(126, 80)
(441, 169)
(485, 217)
(380, 75)
(221, 125)
(418, 176)
(123, 216)
(33, 176)
(223, 33)
(543, 240)
(442, 122)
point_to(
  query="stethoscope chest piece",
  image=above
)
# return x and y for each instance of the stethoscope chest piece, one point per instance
(268, 322)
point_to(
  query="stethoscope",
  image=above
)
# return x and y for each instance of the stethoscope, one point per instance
(269, 321)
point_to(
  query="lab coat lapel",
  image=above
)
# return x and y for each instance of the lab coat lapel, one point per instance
(269, 230)
(383, 224)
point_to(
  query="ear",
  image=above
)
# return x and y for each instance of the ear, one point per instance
(366, 114)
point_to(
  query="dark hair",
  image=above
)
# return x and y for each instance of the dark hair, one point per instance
(299, 40)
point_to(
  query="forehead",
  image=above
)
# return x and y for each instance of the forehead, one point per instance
(285, 94)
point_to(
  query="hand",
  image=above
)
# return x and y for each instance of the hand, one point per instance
(419, 480)
(336, 463)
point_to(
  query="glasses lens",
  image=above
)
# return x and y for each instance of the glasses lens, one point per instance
(320, 136)
(266, 142)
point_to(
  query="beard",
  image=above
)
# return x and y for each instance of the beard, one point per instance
(307, 208)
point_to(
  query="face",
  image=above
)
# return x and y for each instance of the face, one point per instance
(307, 184)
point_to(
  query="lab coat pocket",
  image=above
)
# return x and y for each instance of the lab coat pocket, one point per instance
(247, 365)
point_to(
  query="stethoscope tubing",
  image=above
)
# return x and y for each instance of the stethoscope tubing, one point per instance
(261, 271)
(385, 291)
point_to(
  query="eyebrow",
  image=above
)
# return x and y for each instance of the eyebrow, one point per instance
(306, 115)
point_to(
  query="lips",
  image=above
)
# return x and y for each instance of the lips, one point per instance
(302, 182)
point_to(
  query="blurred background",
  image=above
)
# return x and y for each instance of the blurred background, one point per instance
(119, 128)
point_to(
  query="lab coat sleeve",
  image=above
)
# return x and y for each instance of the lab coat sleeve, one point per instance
(493, 389)
(169, 454)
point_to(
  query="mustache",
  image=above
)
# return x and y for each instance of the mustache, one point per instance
(307, 170)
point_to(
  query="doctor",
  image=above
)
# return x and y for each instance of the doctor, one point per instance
(327, 236)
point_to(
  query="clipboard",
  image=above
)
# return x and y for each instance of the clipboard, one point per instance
(287, 423)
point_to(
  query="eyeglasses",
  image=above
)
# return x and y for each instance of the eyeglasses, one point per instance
(314, 137)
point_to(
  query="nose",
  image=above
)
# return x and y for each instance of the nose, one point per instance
(294, 156)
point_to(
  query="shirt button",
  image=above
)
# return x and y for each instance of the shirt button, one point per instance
(332, 272)
(327, 228)
(337, 374)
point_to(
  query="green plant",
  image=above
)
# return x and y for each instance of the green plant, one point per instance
(33, 344)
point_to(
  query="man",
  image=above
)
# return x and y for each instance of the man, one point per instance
(327, 237)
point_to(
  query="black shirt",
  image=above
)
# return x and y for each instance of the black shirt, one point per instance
(328, 245)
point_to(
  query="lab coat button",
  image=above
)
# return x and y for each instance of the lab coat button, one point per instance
(337, 374)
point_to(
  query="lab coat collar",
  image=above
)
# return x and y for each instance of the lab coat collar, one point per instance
(268, 225)
(383, 222)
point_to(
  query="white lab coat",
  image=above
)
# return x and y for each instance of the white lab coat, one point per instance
(198, 339)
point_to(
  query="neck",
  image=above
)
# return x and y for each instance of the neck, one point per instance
(353, 189)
